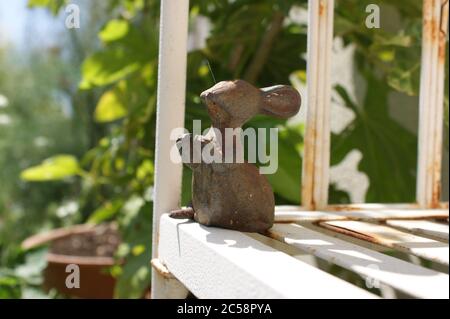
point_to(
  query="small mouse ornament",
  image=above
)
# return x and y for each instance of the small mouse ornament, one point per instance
(234, 194)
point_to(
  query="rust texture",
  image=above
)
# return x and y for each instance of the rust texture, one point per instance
(436, 23)
(322, 8)
(161, 268)
(442, 26)
(428, 20)
(356, 207)
(352, 233)
(233, 195)
(313, 191)
(443, 30)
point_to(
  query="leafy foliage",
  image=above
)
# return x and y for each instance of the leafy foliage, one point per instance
(251, 39)
(136, 227)
(24, 281)
(388, 149)
(54, 168)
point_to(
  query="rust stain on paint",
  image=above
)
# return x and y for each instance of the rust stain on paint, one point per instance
(322, 8)
(428, 6)
(443, 30)
(350, 232)
(161, 268)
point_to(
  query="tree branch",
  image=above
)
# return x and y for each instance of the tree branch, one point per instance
(262, 54)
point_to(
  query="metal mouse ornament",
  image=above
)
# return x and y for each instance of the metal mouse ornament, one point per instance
(234, 195)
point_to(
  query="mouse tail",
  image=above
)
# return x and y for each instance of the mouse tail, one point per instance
(184, 213)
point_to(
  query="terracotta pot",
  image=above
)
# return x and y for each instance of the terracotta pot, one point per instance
(95, 281)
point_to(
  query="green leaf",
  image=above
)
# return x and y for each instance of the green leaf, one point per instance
(401, 40)
(134, 276)
(109, 66)
(31, 270)
(145, 170)
(386, 55)
(114, 30)
(110, 107)
(127, 50)
(343, 26)
(132, 7)
(105, 212)
(17, 283)
(388, 149)
(9, 287)
(404, 81)
(286, 181)
(52, 169)
(186, 194)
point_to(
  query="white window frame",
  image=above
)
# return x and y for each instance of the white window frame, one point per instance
(316, 157)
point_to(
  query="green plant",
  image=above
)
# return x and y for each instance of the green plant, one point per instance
(117, 172)
(44, 114)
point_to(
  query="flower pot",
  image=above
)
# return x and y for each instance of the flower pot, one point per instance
(90, 248)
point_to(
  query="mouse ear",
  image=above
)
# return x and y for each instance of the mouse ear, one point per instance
(280, 101)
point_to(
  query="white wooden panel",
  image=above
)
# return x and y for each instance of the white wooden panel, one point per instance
(383, 214)
(316, 158)
(297, 214)
(431, 108)
(168, 286)
(377, 206)
(220, 263)
(374, 266)
(422, 247)
(422, 227)
(170, 114)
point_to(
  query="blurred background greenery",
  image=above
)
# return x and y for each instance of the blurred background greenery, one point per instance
(77, 117)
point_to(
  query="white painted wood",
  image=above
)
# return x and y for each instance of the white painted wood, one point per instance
(167, 288)
(431, 107)
(383, 214)
(170, 113)
(316, 158)
(422, 228)
(208, 258)
(373, 206)
(285, 214)
(373, 266)
(325, 177)
(220, 263)
(379, 206)
(411, 244)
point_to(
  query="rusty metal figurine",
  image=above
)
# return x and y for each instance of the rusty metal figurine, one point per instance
(234, 195)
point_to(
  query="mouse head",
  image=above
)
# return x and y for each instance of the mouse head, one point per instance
(232, 103)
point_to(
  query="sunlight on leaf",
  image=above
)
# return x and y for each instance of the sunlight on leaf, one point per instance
(286, 180)
(105, 212)
(106, 67)
(110, 107)
(403, 81)
(137, 250)
(52, 169)
(386, 55)
(114, 30)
